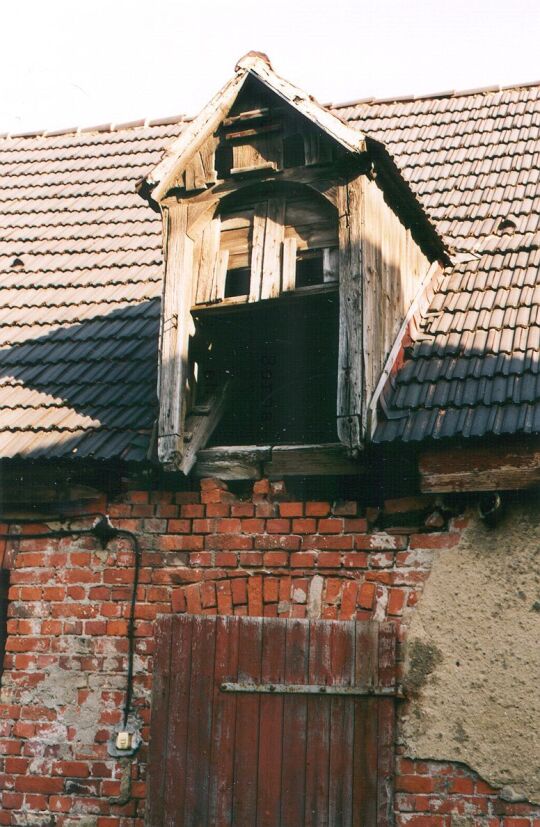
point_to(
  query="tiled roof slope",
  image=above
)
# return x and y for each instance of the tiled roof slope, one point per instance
(79, 315)
(80, 283)
(474, 162)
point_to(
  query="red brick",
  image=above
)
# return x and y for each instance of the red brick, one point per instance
(345, 508)
(192, 510)
(304, 526)
(291, 509)
(208, 594)
(210, 484)
(227, 559)
(301, 559)
(446, 540)
(228, 525)
(179, 526)
(317, 509)
(237, 542)
(224, 598)
(178, 600)
(239, 591)
(396, 600)
(355, 559)
(180, 542)
(261, 487)
(366, 596)
(415, 784)
(271, 589)
(193, 598)
(255, 596)
(329, 559)
(330, 526)
(242, 510)
(218, 510)
(278, 526)
(348, 600)
(356, 524)
(76, 769)
(252, 526)
(276, 558)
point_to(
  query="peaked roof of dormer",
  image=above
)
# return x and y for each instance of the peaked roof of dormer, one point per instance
(257, 65)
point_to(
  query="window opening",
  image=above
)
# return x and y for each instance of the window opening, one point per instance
(237, 282)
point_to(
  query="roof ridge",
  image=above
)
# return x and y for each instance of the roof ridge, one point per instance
(104, 127)
(450, 93)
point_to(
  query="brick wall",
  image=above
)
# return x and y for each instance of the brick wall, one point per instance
(204, 552)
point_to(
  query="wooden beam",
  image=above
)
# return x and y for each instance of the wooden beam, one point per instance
(244, 462)
(310, 460)
(174, 335)
(503, 465)
(350, 395)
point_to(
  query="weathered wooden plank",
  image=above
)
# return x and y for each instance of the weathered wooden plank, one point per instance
(365, 728)
(175, 335)
(223, 724)
(502, 465)
(350, 394)
(201, 423)
(200, 721)
(247, 725)
(294, 726)
(158, 747)
(257, 253)
(273, 242)
(271, 730)
(208, 261)
(340, 767)
(289, 264)
(307, 460)
(178, 720)
(232, 462)
(221, 275)
(330, 264)
(318, 728)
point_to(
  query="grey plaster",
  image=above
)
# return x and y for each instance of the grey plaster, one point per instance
(473, 657)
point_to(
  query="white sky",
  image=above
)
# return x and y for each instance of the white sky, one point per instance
(70, 63)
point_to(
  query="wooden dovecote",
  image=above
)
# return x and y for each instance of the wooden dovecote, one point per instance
(268, 197)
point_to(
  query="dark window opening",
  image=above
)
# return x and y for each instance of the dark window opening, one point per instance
(237, 282)
(309, 268)
(224, 160)
(281, 359)
(293, 151)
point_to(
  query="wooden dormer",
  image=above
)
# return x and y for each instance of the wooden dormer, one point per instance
(268, 199)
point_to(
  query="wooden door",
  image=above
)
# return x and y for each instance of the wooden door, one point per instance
(264, 722)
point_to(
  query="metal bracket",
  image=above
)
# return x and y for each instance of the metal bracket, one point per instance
(312, 689)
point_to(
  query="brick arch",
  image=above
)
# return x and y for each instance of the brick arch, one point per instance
(267, 595)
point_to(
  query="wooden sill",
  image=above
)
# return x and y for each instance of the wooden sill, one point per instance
(242, 301)
(252, 462)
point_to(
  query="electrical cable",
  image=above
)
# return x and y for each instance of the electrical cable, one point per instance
(104, 531)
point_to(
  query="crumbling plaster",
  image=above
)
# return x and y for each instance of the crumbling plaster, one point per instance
(473, 656)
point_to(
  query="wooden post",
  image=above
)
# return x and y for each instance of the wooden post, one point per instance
(350, 394)
(273, 242)
(174, 335)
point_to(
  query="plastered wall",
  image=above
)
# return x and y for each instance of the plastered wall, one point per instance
(473, 655)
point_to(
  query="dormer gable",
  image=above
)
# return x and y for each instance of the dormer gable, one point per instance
(267, 196)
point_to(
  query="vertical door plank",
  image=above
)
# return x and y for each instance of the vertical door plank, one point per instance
(318, 736)
(294, 726)
(271, 725)
(386, 715)
(365, 728)
(341, 727)
(172, 763)
(200, 721)
(158, 748)
(223, 724)
(247, 725)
